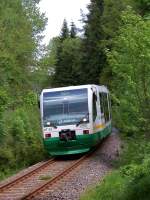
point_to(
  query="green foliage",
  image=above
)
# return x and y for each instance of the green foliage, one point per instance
(60, 65)
(68, 62)
(73, 30)
(4, 99)
(99, 29)
(139, 190)
(42, 75)
(132, 73)
(139, 176)
(112, 10)
(93, 57)
(37, 20)
(18, 42)
(20, 27)
(129, 70)
(30, 99)
(64, 31)
(135, 150)
(130, 182)
(143, 7)
(21, 138)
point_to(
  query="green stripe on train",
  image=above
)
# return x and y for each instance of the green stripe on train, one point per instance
(82, 144)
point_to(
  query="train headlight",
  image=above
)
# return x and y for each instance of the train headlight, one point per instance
(84, 119)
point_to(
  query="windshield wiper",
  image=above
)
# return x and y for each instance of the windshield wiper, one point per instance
(84, 119)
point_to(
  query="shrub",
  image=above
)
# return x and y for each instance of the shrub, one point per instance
(21, 139)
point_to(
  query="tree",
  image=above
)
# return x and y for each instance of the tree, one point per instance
(130, 60)
(67, 64)
(73, 31)
(42, 76)
(67, 57)
(18, 43)
(93, 57)
(21, 25)
(64, 30)
(111, 21)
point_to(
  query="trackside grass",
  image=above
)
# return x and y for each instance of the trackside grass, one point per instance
(111, 188)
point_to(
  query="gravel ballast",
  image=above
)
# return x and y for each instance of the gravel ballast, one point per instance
(90, 172)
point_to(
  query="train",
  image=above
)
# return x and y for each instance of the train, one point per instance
(74, 119)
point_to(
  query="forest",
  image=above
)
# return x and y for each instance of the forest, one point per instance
(112, 49)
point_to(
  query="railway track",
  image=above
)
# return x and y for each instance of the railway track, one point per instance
(29, 186)
(6, 188)
(58, 177)
(21, 178)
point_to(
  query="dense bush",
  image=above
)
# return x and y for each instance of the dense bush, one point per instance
(134, 150)
(139, 181)
(139, 190)
(20, 136)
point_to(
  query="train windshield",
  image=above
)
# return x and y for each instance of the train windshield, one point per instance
(65, 107)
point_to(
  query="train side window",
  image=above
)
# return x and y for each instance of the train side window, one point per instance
(109, 105)
(101, 102)
(106, 107)
(94, 106)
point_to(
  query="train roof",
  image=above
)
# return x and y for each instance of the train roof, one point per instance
(101, 88)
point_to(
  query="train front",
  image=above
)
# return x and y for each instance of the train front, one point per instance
(65, 121)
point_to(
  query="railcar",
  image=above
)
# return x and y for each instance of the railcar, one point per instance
(74, 118)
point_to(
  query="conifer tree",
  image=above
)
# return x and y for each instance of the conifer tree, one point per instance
(67, 63)
(93, 56)
(73, 31)
(64, 30)
(101, 26)
(111, 21)
(67, 58)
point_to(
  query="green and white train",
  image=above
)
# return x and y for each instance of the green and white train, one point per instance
(74, 118)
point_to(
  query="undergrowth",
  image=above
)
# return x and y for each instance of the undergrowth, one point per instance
(20, 140)
(131, 180)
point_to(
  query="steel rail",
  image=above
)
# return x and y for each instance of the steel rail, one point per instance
(58, 177)
(23, 177)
